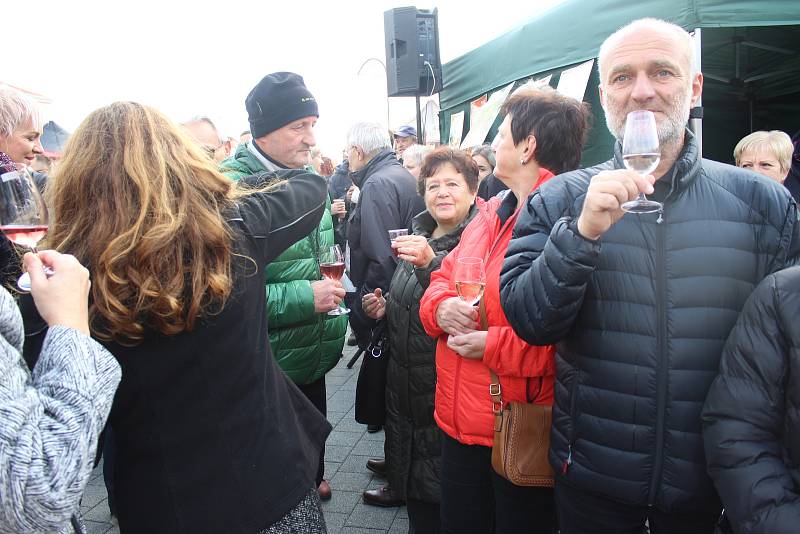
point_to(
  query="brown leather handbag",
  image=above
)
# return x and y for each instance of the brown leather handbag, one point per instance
(521, 436)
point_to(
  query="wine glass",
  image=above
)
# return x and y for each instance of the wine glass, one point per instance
(640, 153)
(23, 214)
(470, 278)
(393, 235)
(331, 265)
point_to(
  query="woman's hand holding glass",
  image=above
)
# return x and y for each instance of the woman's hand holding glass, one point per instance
(61, 298)
(414, 249)
(374, 304)
(470, 345)
(455, 316)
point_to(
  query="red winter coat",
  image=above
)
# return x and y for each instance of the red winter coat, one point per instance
(463, 407)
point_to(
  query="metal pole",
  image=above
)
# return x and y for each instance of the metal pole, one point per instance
(386, 74)
(420, 133)
(696, 124)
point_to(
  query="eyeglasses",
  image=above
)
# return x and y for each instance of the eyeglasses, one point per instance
(212, 150)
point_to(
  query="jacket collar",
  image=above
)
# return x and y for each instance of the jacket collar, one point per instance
(268, 163)
(680, 175)
(424, 224)
(381, 159)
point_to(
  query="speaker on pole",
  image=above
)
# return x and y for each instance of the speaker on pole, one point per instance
(413, 67)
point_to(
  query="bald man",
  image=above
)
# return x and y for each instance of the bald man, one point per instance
(203, 130)
(639, 304)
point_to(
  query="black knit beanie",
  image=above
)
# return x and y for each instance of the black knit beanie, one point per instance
(278, 99)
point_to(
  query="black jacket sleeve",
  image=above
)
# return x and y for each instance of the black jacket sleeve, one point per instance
(281, 215)
(547, 268)
(743, 417)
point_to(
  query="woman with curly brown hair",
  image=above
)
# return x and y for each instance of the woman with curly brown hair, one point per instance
(210, 434)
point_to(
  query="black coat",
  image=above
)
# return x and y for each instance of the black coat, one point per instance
(751, 419)
(490, 186)
(413, 441)
(211, 436)
(388, 200)
(640, 318)
(338, 184)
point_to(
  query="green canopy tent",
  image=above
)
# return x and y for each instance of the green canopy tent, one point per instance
(749, 54)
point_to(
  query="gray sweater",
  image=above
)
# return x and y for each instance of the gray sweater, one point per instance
(49, 422)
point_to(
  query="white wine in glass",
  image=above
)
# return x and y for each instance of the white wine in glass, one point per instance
(23, 214)
(640, 153)
(331, 265)
(470, 279)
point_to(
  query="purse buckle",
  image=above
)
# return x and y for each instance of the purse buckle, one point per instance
(497, 407)
(494, 389)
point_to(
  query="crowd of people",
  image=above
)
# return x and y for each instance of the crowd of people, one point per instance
(180, 323)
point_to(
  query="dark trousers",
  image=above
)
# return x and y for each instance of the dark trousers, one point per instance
(109, 458)
(476, 500)
(317, 394)
(423, 517)
(580, 512)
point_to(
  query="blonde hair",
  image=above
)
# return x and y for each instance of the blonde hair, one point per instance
(15, 109)
(778, 143)
(142, 206)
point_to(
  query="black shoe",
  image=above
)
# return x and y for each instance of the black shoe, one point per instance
(374, 428)
(377, 466)
(351, 340)
(385, 496)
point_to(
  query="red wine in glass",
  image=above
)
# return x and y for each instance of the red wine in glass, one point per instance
(331, 265)
(23, 214)
(393, 235)
(332, 270)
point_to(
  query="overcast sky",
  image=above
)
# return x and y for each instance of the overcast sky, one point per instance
(201, 57)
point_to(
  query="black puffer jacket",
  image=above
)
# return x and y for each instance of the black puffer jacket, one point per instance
(388, 200)
(640, 318)
(413, 441)
(751, 419)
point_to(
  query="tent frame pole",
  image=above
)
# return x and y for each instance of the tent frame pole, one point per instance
(696, 124)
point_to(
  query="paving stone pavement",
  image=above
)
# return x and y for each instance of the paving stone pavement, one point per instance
(348, 448)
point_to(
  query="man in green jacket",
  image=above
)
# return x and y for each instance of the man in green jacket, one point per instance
(305, 340)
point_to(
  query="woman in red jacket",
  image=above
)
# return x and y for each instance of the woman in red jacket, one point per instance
(542, 132)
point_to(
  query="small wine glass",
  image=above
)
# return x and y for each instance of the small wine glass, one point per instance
(23, 214)
(640, 153)
(393, 235)
(331, 265)
(470, 278)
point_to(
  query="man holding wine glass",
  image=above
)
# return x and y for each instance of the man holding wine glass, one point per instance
(638, 297)
(306, 339)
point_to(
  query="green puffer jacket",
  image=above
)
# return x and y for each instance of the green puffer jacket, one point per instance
(306, 344)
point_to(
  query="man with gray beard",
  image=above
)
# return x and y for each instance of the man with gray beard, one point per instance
(639, 305)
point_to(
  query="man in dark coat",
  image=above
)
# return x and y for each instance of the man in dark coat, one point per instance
(751, 419)
(640, 305)
(338, 185)
(387, 200)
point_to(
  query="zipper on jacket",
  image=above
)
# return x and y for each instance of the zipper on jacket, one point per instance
(573, 399)
(456, 387)
(662, 367)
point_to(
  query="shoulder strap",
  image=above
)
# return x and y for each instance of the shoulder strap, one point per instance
(494, 384)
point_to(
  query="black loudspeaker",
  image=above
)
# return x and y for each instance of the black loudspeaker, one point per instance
(413, 67)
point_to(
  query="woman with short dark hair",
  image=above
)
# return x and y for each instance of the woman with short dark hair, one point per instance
(542, 133)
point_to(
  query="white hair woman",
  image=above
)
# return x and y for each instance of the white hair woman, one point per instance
(767, 153)
(20, 128)
(413, 158)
